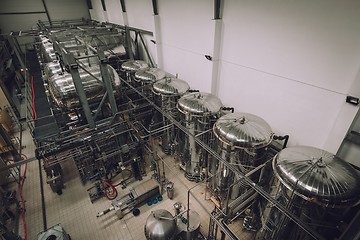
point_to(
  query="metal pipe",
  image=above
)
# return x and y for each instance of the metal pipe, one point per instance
(43, 208)
(100, 105)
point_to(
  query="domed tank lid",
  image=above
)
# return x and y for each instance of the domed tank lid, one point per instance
(150, 74)
(317, 175)
(160, 225)
(243, 130)
(171, 86)
(199, 103)
(134, 65)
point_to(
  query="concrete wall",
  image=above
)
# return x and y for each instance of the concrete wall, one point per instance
(58, 10)
(290, 62)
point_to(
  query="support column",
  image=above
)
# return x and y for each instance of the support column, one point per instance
(157, 34)
(74, 70)
(107, 81)
(218, 25)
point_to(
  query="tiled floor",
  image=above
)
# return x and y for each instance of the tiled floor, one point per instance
(74, 211)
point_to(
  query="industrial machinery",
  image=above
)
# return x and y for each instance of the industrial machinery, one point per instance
(242, 139)
(131, 67)
(199, 111)
(63, 92)
(104, 127)
(160, 225)
(56, 232)
(88, 120)
(318, 187)
(137, 196)
(167, 92)
(188, 224)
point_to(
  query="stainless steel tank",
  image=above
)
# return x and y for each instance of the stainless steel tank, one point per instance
(47, 51)
(63, 92)
(318, 176)
(317, 187)
(167, 93)
(242, 140)
(199, 111)
(149, 75)
(132, 66)
(160, 225)
(51, 69)
(188, 225)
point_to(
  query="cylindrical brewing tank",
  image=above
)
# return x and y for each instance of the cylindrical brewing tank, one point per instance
(317, 176)
(145, 77)
(160, 225)
(149, 75)
(51, 69)
(63, 92)
(167, 92)
(316, 186)
(199, 111)
(188, 225)
(47, 51)
(132, 66)
(242, 140)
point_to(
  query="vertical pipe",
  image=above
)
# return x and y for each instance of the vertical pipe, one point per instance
(43, 208)
(128, 42)
(187, 211)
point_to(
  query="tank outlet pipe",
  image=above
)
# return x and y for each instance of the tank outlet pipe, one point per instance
(193, 90)
(228, 109)
(281, 138)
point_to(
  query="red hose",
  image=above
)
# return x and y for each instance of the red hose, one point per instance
(22, 197)
(110, 191)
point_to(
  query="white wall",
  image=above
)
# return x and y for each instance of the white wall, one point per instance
(187, 36)
(114, 11)
(67, 9)
(290, 62)
(98, 13)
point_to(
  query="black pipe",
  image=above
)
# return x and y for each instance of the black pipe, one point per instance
(286, 138)
(155, 7)
(217, 9)
(123, 7)
(193, 90)
(103, 5)
(42, 196)
(228, 109)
